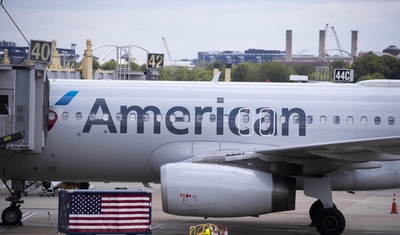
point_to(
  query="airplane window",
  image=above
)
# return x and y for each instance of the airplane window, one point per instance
(172, 117)
(186, 118)
(267, 118)
(336, 119)
(226, 118)
(118, 117)
(106, 116)
(199, 118)
(322, 120)
(132, 117)
(159, 117)
(146, 117)
(92, 116)
(350, 120)
(65, 115)
(246, 118)
(391, 120)
(363, 120)
(212, 118)
(296, 119)
(377, 120)
(282, 119)
(309, 119)
(52, 116)
(78, 116)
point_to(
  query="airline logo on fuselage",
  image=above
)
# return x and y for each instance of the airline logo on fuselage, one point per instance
(242, 121)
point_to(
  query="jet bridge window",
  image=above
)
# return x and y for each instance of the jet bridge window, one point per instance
(391, 120)
(4, 104)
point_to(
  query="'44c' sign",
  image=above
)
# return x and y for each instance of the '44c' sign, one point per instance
(343, 75)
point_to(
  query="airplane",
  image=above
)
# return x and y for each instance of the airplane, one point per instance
(219, 149)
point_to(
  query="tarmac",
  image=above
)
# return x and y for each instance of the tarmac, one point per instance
(365, 213)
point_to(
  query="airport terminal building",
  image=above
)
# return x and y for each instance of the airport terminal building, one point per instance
(257, 56)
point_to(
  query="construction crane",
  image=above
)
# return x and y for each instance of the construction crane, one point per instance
(337, 40)
(166, 47)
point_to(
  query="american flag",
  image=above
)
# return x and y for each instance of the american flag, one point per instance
(110, 213)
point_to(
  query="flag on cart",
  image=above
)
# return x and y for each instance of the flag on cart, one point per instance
(110, 213)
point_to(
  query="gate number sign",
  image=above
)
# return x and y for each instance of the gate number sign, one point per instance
(344, 75)
(40, 51)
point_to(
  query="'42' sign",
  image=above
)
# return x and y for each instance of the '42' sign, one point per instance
(343, 75)
(155, 61)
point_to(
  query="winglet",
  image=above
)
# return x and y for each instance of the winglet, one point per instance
(216, 77)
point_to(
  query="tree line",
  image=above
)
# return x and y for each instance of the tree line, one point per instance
(368, 66)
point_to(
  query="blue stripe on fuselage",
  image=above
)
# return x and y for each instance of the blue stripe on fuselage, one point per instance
(66, 98)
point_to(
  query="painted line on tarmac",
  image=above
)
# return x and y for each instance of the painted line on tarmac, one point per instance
(27, 215)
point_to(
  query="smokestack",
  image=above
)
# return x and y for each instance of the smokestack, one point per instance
(322, 52)
(228, 68)
(288, 45)
(354, 42)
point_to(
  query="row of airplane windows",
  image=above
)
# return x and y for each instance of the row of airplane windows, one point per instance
(245, 118)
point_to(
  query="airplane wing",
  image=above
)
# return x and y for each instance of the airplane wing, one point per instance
(302, 159)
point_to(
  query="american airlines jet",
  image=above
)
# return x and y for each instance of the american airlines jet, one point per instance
(219, 149)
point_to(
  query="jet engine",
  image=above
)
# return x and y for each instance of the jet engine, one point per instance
(211, 190)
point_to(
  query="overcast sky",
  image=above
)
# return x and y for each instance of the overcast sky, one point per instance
(207, 25)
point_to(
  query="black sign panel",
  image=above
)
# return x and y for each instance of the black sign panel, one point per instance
(343, 75)
(40, 51)
(155, 61)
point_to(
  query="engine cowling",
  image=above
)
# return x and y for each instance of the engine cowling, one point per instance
(211, 190)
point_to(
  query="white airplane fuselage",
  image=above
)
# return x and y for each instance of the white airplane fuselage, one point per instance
(125, 130)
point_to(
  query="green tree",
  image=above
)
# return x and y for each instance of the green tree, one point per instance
(394, 66)
(239, 72)
(274, 72)
(339, 64)
(368, 65)
(110, 65)
(95, 64)
(304, 69)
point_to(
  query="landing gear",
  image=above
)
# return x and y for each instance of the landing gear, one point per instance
(324, 215)
(314, 209)
(12, 215)
(330, 221)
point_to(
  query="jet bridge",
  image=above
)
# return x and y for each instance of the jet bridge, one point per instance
(24, 106)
